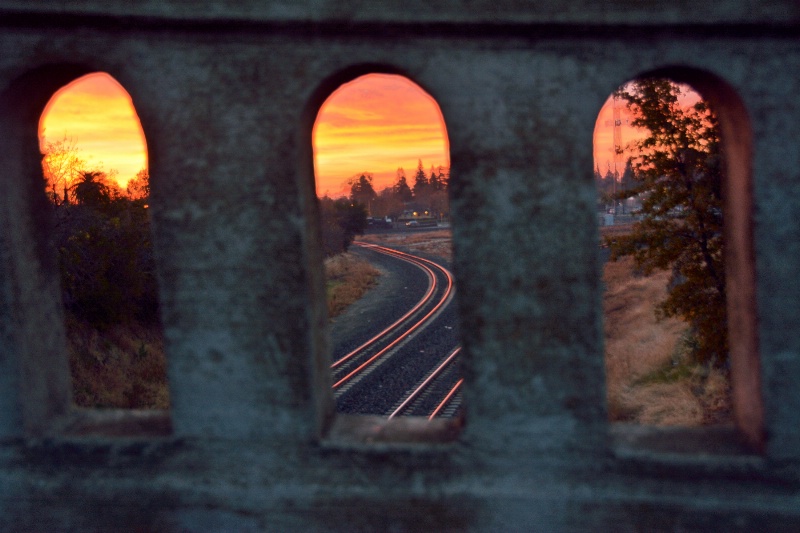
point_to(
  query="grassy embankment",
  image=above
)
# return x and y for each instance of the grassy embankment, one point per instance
(121, 366)
(650, 379)
(650, 376)
(124, 365)
(347, 278)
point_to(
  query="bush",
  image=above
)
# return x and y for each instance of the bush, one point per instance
(106, 262)
(341, 221)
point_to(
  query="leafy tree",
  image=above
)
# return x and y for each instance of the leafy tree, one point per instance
(105, 255)
(138, 188)
(92, 189)
(341, 221)
(61, 166)
(439, 206)
(678, 173)
(388, 204)
(361, 190)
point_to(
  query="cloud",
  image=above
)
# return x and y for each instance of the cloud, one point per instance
(377, 123)
(98, 114)
(604, 130)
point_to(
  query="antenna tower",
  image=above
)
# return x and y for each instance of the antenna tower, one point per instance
(617, 147)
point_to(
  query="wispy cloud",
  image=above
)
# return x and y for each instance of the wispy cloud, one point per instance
(97, 113)
(604, 130)
(377, 123)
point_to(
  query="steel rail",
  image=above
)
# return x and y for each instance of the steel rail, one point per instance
(424, 300)
(418, 390)
(419, 324)
(446, 399)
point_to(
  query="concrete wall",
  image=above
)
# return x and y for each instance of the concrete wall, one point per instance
(227, 93)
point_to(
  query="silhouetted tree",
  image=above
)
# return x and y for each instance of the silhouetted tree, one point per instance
(361, 190)
(602, 197)
(388, 203)
(341, 221)
(678, 173)
(444, 178)
(401, 188)
(139, 187)
(91, 189)
(421, 184)
(61, 165)
(628, 181)
(434, 182)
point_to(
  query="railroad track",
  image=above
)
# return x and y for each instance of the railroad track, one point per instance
(438, 394)
(373, 367)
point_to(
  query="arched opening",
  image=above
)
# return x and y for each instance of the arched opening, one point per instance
(381, 165)
(672, 164)
(94, 159)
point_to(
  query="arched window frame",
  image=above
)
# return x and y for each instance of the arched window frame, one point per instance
(338, 428)
(736, 143)
(39, 361)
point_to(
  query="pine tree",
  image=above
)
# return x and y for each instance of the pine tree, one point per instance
(401, 188)
(361, 190)
(433, 181)
(421, 183)
(444, 178)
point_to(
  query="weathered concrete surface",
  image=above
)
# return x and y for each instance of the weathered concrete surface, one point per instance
(493, 12)
(228, 111)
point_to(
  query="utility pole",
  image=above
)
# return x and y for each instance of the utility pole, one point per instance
(617, 147)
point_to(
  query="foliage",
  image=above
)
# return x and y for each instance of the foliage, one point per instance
(139, 187)
(104, 246)
(348, 277)
(605, 185)
(106, 259)
(61, 165)
(429, 194)
(107, 269)
(120, 366)
(342, 220)
(361, 190)
(678, 172)
(421, 183)
(401, 188)
(388, 204)
(611, 187)
(92, 189)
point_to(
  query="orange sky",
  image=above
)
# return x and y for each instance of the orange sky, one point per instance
(374, 123)
(604, 131)
(377, 123)
(97, 113)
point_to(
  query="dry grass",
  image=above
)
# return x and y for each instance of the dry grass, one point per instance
(347, 277)
(650, 378)
(435, 242)
(123, 366)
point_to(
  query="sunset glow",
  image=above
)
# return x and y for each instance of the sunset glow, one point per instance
(377, 123)
(604, 130)
(98, 115)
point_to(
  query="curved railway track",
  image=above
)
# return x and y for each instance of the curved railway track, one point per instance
(436, 395)
(403, 364)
